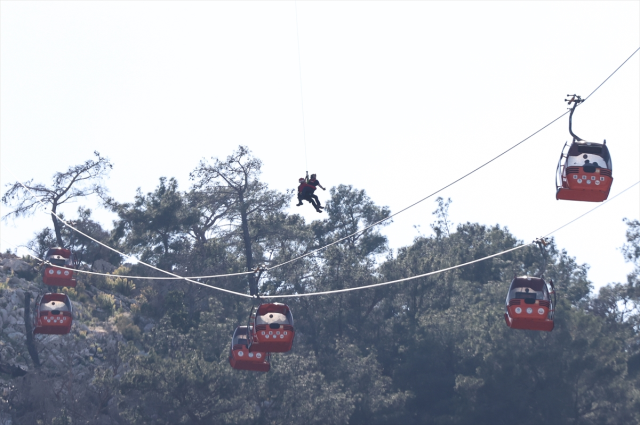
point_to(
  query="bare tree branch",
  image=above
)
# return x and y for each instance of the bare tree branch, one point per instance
(29, 198)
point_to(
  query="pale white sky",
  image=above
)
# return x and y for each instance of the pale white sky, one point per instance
(400, 99)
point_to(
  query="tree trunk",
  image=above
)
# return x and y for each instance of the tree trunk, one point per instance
(31, 343)
(253, 285)
(165, 242)
(56, 226)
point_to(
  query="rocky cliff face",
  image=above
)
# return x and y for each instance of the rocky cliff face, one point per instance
(98, 316)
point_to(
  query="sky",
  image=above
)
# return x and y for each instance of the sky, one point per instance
(396, 98)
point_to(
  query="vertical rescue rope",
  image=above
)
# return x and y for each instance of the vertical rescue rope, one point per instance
(304, 133)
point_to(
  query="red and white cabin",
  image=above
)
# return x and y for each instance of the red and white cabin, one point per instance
(529, 305)
(585, 174)
(273, 325)
(53, 315)
(57, 276)
(241, 357)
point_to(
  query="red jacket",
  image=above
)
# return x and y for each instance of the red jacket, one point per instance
(306, 185)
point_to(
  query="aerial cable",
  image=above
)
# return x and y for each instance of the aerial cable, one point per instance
(415, 203)
(593, 209)
(577, 100)
(127, 256)
(146, 277)
(47, 211)
(46, 263)
(611, 75)
(537, 241)
(452, 183)
(337, 291)
(304, 132)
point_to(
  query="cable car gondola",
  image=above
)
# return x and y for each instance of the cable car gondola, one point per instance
(529, 304)
(273, 325)
(584, 171)
(56, 276)
(242, 357)
(53, 314)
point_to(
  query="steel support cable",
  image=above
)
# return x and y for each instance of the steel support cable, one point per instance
(452, 183)
(289, 295)
(127, 256)
(310, 252)
(593, 209)
(337, 291)
(304, 132)
(49, 212)
(415, 203)
(206, 285)
(611, 75)
(174, 276)
(129, 276)
(135, 277)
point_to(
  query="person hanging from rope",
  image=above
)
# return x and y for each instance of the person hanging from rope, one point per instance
(313, 181)
(305, 192)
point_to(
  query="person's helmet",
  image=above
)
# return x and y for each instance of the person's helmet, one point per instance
(301, 180)
(313, 175)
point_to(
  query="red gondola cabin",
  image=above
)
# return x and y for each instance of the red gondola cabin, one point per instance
(243, 358)
(529, 305)
(57, 276)
(53, 315)
(273, 324)
(584, 172)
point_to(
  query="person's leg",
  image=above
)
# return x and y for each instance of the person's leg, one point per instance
(313, 202)
(317, 200)
(299, 200)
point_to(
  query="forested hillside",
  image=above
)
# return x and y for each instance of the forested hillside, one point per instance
(434, 350)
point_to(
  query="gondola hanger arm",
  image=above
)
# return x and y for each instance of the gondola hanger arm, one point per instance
(576, 100)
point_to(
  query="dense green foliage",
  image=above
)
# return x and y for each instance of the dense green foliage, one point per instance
(434, 350)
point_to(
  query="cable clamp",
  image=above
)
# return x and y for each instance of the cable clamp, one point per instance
(259, 269)
(542, 241)
(574, 99)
